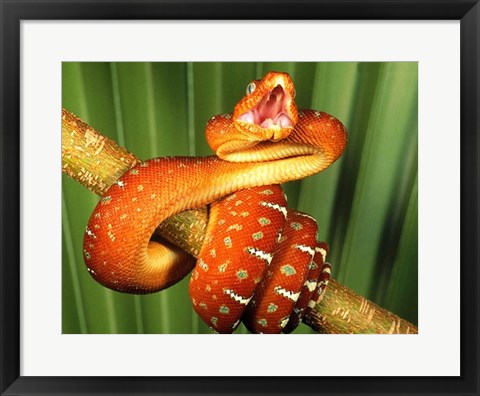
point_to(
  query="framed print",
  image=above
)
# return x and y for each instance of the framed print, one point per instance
(116, 117)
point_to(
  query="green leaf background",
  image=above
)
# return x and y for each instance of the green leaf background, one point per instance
(365, 204)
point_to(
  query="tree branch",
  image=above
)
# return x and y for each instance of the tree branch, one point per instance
(97, 162)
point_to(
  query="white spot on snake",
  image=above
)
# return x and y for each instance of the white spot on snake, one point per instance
(322, 251)
(120, 183)
(304, 248)
(272, 307)
(237, 297)
(287, 270)
(224, 309)
(242, 274)
(311, 304)
(111, 236)
(278, 207)
(296, 226)
(223, 267)
(307, 216)
(262, 322)
(285, 293)
(257, 235)
(283, 322)
(279, 235)
(236, 227)
(228, 242)
(203, 265)
(266, 192)
(260, 254)
(311, 285)
(263, 221)
(90, 233)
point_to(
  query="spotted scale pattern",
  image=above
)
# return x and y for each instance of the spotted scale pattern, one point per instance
(238, 248)
(322, 284)
(277, 294)
(310, 286)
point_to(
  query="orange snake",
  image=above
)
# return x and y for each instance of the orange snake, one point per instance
(257, 257)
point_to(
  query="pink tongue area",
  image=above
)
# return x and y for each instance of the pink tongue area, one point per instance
(269, 112)
(271, 105)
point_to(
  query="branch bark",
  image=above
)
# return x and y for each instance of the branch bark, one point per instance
(97, 162)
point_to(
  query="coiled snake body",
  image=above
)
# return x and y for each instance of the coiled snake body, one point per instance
(259, 262)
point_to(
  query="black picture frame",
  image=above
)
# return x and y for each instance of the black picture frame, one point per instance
(13, 12)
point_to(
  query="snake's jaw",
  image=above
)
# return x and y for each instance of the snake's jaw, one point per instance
(253, 132)
(265, 126)
(268, 112)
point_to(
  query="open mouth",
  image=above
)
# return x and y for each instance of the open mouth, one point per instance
(271, 111)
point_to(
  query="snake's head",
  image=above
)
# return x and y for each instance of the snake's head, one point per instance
(268, 110)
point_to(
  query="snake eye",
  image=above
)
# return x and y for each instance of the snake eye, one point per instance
(250, 88)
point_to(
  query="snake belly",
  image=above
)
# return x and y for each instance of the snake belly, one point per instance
(260, 263)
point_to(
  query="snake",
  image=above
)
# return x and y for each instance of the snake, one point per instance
(260, 263)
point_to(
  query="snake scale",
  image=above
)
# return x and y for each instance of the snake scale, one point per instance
(260, 263)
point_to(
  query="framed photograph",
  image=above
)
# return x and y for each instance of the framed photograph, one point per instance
(124, 89)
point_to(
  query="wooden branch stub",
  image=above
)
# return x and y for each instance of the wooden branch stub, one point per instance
(342, 311)
(89, 157)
